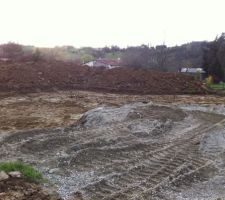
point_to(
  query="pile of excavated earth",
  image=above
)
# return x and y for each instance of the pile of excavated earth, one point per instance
(44, 76)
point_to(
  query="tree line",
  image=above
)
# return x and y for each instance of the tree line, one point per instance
(209, 55)
(214, 58)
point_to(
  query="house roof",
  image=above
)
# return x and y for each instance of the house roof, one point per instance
(192, 70)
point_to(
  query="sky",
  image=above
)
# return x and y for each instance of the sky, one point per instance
(99, 23)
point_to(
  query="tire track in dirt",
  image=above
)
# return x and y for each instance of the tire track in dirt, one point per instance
(140, 180)
(123, 165)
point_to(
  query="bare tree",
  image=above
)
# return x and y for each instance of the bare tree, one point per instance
(161, 57)
(12, 51)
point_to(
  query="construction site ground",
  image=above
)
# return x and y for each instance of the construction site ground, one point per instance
(93, 145)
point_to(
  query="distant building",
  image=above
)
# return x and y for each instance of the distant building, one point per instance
(106, 63)
(196, 72)
(4, 59)
(2, 55)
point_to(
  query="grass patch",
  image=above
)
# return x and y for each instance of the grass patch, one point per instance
(27, 171)
(219, 86)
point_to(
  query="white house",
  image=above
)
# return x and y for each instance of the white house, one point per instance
(106, 63)
(197, 72)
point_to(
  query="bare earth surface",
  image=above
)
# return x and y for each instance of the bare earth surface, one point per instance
(110, 146)
(46, 110)
(21, 189)
(55, 75)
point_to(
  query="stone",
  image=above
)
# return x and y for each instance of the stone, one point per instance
(53, 171)
(15, 174)
(3, 176)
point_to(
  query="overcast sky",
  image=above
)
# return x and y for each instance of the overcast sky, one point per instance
(99, 23)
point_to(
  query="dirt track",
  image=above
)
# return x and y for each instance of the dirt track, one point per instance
(136, 151)
(57, 109)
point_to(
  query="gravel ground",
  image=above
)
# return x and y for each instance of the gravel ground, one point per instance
(133, 151)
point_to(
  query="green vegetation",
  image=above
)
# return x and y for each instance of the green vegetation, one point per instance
(213, 58)
(219, 86)
(114, 55)
(159, 57)
(26, 170)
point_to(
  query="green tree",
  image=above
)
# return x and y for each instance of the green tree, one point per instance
(214, 58)
(86, 58)
(36, 55)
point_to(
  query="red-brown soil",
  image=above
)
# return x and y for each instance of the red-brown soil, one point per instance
(48, 76)
(21, 189)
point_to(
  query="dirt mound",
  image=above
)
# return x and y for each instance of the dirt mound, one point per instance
(42, 75)
(102, 116)
(20, 189)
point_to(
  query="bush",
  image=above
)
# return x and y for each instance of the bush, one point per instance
(27, 171)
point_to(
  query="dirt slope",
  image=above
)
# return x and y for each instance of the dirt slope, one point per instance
(36, 76)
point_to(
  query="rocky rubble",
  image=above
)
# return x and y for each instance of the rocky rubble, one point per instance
(3, 176)
(13, 174)
(14, 187)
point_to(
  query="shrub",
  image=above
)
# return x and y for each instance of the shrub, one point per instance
(26, 170)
